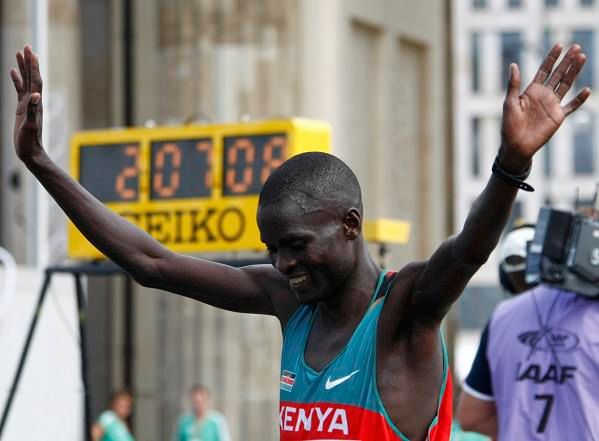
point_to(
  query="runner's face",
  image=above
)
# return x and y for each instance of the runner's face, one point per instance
(309, 246)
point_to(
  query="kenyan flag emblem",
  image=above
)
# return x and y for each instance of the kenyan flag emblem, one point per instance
(287, 380)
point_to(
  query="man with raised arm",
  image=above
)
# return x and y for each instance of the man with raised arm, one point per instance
(363, 356)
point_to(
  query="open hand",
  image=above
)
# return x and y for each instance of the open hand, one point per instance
(531, 119)
(28, 121)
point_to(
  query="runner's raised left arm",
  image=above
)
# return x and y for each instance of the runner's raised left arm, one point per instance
(529, 120)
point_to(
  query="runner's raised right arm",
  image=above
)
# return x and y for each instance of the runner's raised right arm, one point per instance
(255, 289)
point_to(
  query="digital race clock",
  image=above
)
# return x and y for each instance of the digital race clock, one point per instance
(194, 188)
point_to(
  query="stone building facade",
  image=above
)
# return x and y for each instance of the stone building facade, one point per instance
(375, 69)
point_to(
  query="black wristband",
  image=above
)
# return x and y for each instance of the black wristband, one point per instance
(513, 180)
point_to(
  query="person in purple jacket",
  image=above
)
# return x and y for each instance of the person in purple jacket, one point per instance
(536, 372)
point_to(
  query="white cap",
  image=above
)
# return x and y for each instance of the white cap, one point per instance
(514, 244)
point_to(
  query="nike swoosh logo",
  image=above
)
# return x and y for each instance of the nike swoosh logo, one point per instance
(331, 384)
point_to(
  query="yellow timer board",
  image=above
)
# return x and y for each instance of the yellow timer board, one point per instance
(194, 188)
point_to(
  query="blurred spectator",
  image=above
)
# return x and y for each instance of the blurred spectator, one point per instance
(112, 424)
(201, 423)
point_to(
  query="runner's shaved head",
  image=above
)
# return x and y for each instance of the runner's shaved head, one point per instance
(318, 179)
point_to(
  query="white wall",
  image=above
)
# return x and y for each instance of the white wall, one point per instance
(48, 402)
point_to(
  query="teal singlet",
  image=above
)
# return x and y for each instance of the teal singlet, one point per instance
(341, 402)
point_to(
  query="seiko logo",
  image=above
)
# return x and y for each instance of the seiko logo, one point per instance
(555, 339)
(184, 227)
(314, 420)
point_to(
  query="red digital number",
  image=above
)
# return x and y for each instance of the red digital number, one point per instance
(127, 173)
(242, 144)
(206, 147)
(174, 152)
(270, 162)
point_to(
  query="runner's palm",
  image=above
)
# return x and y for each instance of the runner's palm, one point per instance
(530, 119)
(29, 113)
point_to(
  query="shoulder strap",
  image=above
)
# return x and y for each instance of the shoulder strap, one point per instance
(388, 282)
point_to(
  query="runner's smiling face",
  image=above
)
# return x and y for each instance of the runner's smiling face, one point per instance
(307, 244)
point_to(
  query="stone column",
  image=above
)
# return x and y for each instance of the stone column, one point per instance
(61, 114)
